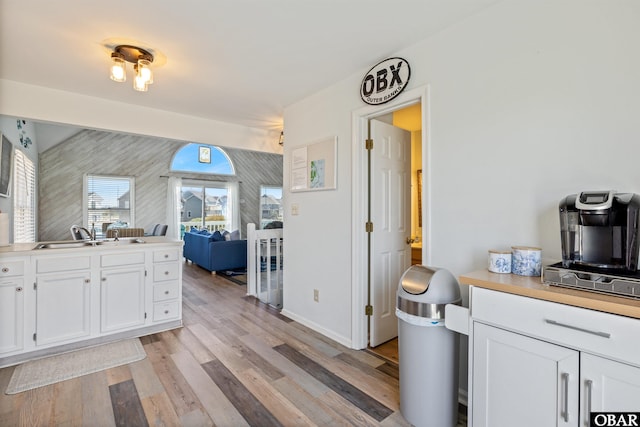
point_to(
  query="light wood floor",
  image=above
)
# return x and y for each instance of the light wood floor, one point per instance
(234, 363)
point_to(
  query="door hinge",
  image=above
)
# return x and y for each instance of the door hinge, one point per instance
(34, 336)
(368, 144)
(368, 310)
(35, 286)
(145, 314)
(368, 227)
(145, 273)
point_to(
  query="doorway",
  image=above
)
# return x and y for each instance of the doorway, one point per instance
(416, 100)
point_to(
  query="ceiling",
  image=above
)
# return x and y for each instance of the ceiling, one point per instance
(237, 61)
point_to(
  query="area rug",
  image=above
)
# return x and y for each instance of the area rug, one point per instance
(53, 369)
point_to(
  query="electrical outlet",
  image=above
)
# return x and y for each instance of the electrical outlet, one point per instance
(316, 295)
(295, 209)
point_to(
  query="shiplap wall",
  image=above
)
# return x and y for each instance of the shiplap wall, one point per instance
(148, 159)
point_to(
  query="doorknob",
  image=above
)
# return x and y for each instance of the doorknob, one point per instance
(410, 240)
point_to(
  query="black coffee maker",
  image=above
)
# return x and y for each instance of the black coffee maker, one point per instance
(600, 229)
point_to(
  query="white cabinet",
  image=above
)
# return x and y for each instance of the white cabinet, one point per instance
(608, 386)
(167, 284)
(122, 291)
(11, 315)
(517, 378)
(538, 363)
(12, 305)
(63, 303)
(65, 298)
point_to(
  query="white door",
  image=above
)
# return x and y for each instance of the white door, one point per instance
(391, 217)
(608, 386)
(522, 381)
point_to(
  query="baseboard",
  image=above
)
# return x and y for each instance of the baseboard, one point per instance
(311, 325)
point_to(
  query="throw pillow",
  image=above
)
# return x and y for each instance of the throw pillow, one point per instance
(234, 235)
(217, 237)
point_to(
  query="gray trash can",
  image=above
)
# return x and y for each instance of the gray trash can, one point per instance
(427, 351)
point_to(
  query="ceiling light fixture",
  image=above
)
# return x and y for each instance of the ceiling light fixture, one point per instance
(141, 60)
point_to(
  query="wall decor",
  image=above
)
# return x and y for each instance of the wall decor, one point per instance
(6, 163)
(385, 80)
(314, 166)
(204, 154)
(25, 140)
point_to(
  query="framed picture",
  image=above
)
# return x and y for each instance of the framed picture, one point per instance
(6, 163)
(314, 166)
(204, 154)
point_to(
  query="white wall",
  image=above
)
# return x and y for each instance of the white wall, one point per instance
(56, 106)
(531, 100)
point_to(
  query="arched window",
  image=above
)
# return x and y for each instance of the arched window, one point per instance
(201, 158)
(210, 205)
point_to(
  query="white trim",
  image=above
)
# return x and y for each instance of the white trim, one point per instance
(345, 341)
(359, 126)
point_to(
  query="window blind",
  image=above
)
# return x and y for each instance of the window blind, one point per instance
(24, 199)
(109, 200)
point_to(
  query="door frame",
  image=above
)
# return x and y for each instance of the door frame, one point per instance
(359, 249)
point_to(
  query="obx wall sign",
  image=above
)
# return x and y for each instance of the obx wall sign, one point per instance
(385, 80)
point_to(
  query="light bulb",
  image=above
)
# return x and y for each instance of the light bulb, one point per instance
(118, 69)
(139, 84)
(144, 70)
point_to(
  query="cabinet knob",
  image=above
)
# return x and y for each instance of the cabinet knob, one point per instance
(166, 312)
(89, 280)
(166, 292)
(166, 273)
(104, 279)
(19, 289)
(5, 269)
(166, 255)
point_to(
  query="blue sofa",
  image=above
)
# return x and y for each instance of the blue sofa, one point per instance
(212, 252)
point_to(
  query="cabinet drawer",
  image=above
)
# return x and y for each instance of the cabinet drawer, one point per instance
(166, 310)
(11, 268)
(165, 291)
(125, 258)
(165, 255)
(608, 335)
(162, 272)
(51, 264)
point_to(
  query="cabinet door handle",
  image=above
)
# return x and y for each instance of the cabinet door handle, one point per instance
(166, 312)
(564, 378)
(5, 269)
(166, 273)
(588, 386)
(577, 328)
(19, 289)
(166, 292)
(166, 255)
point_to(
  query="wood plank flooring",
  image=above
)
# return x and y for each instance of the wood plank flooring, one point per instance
(236, 362)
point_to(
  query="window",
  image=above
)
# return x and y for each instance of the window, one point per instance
(108, 200)
(270, 205)
(200, 158)
(24, 199)
(210, 205)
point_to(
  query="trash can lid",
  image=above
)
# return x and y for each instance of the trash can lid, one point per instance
(416, 279)
(425, 291)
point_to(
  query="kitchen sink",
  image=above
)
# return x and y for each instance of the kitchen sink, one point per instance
(122, 241)
(87, 243)
(64, 245)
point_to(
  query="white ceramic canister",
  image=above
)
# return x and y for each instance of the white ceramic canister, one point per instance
(526, 260)
(499, 261)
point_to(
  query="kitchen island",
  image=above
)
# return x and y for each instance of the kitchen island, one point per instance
(60, 296)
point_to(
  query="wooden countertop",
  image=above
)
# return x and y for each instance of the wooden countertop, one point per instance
(534, 288)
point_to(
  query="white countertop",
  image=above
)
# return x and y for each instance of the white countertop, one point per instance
(30, 248)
